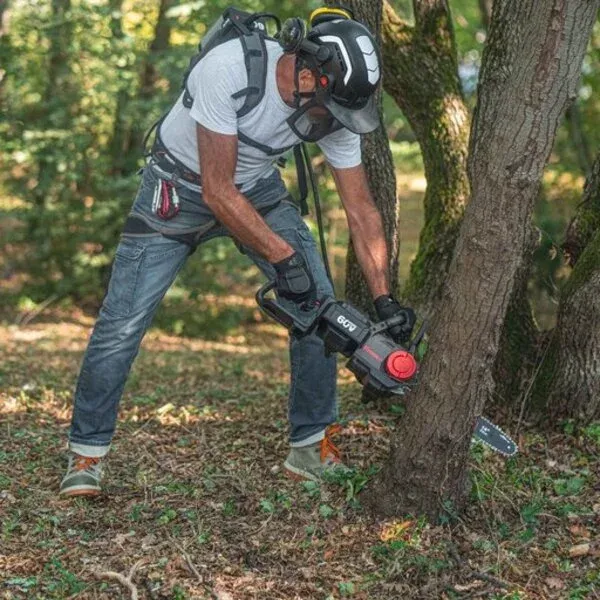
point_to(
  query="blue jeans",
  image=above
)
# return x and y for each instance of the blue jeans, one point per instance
(144, 268)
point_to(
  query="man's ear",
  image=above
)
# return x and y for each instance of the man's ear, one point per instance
(306, 81)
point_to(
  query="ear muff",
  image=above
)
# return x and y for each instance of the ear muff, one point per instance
(326, 13)
(292, 34)
(292, 38)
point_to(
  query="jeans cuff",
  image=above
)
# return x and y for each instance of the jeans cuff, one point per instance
(89, 451)
(313, 439)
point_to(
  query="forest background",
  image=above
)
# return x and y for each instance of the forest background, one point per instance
(80, 84)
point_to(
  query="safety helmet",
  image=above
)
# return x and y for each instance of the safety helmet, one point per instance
(345, 59)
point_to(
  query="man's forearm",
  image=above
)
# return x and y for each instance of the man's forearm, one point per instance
(218, 158)
(366, 227)
(371, 251)
(234, 212)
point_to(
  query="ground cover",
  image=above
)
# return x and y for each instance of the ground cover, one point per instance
(196, 504)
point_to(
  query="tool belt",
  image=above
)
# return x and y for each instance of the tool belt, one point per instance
(172, 165)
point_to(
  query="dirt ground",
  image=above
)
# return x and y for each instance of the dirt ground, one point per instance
(196, 505)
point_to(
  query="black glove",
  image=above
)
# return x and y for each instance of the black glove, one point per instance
(294, 280)
(387, 308)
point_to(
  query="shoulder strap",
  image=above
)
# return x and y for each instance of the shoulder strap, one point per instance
(255, 57)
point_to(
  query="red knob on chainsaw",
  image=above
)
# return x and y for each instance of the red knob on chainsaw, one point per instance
(401, 365)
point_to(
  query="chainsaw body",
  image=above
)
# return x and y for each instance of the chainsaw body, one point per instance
(375, 359)
(379, 363)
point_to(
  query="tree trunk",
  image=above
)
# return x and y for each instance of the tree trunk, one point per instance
(521, 340)
(421, 74)
(58, 93)
(530, 71)
(117, 147)
(568, 383)
(578, 138)
(379, 164)
(586, 222)
(485, 7)
(132, 143)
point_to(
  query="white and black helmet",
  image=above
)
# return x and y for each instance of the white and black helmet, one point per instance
(353, 72)
(345, 59)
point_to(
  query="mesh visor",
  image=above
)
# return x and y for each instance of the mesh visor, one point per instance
(362, 120)
(313, 121)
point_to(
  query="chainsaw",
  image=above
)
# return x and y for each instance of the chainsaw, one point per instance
(378, 363)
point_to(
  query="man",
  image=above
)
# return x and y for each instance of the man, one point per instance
(212, 173)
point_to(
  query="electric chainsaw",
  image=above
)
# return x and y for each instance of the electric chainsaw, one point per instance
(378, 363)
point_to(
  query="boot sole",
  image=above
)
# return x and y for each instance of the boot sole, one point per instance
(80, 493)
(298, 474)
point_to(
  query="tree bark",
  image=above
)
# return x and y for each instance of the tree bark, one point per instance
(530, 71)
(421, 74)
(568, 383)
(586, 222)
(379, 164)
(521, 340)
(578, 138)
(132, 143)
(485, 7)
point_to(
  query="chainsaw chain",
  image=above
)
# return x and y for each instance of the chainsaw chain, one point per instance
(494, 426)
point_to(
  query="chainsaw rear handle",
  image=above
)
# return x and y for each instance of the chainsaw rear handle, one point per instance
(274, 310)
(280, 314)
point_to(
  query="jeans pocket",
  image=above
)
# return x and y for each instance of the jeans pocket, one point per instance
(123, 279)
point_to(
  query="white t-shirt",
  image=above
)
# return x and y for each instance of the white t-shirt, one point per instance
(221, 73)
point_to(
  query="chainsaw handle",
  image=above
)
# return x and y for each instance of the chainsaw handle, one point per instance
(274, 310)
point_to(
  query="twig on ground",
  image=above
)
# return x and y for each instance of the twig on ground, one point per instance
(24, 320)
(475, 574)
(189, 562)
(124, 581)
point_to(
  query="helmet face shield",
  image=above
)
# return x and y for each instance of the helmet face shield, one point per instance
(362, 120)
(313, 121)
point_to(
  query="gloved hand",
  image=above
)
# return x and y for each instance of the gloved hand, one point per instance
(294, 280)
(386, 308)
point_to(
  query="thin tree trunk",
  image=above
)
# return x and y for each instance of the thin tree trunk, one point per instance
(132, 143)
(568, 383)
(421, 74)
(521, 340)
(485, 7)
(578, 138)
(586, 222)
(4, 27)
(120, 128)
(379, 164)
(530, 71)
(58, 91)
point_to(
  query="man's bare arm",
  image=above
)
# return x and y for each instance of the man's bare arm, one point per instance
(366, 227)
(218, 159)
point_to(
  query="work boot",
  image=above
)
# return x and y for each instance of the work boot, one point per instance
(83, 477)
(314, 461)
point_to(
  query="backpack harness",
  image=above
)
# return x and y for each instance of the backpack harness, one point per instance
(250, 29)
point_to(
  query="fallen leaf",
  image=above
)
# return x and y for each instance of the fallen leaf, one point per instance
(579, 550)
(580, 531)
(394, 530)
(554, 583)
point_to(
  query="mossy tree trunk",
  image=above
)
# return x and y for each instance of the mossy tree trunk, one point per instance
(530, 71)
(421, 74)
(568, 383)
(379, 164)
